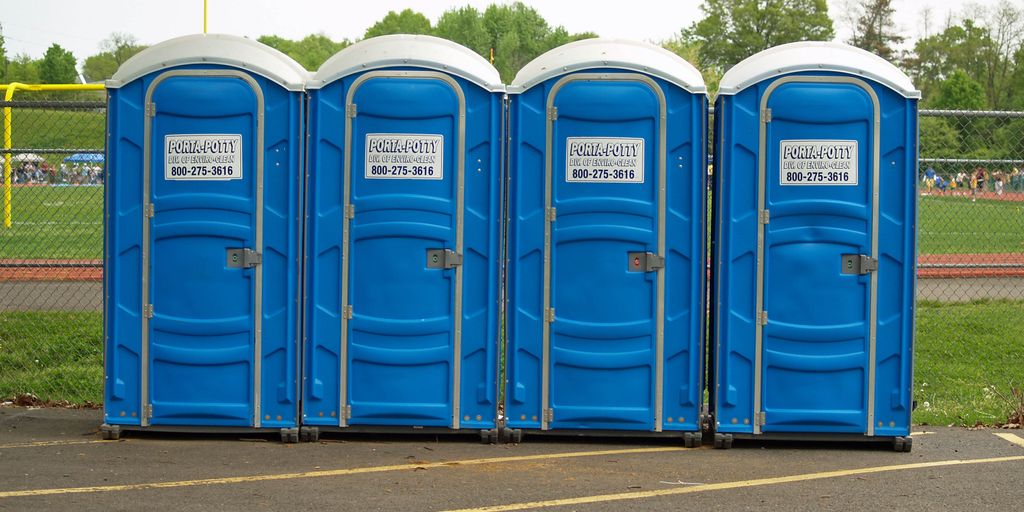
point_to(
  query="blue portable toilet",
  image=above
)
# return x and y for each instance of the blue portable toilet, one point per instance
(403, 240)
(202, 241)
(814, 247)
(607, 247)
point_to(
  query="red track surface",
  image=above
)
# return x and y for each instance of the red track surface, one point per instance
(51, 270)
(979, 262)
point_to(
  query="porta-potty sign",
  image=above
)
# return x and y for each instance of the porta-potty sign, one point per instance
(818, 162)
(604, 160)
(203, 157)
(403, 156)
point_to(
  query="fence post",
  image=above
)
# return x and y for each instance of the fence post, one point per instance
(8, 96)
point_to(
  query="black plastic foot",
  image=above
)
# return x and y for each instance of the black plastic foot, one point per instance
(290, 435)
(309, 434)
(692, 439)
(903, 444)
(723, 441)
(511, 435)
(489, 436)
(110, 432)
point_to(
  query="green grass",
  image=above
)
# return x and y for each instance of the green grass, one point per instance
(54, 222)
(57, 129)
(954, 224)
(55, 356)
(962, 350)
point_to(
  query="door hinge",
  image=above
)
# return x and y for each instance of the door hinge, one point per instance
(243, 258)
(551, 214)
(549, 415)
(351, 109)
(859, 264)
(550, 315)
(443, 258)
(761, 418)
(147, 411)
(347, 311)
(350, 211)
(147, 311)
(346, 412)
(766, 115)
(552, 113)
(764, 216)
(644, 262)
(151, 109)
(763, 318)
(149, 211)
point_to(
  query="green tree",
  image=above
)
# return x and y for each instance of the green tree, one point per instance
(58, 66)
(23, 69)
(3, 57)
(957, 47)
(465, 25)
(311, 51)
(518, 34)
(986, 47)
(405, 22)
(875, 30)
(115, 50)
(733, 30)
(690, 52)
(938, 138)
(960, 92)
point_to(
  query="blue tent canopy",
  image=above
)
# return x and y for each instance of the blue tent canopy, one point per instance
(85, 158)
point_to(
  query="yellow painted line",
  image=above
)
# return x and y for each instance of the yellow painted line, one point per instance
(50, 443)
(602, 498)
(922, 433)
(330, 472)
(1013, 438)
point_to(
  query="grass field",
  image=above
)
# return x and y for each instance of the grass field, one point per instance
(58, 356)
(57, 129)
(55, 356)
(956, 225)
(964, 350)
(66, 222)
(54, 222)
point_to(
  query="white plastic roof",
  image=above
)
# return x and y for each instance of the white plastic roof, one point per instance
(213, 49)
(815, 56)
(408, 50)
(610, 53)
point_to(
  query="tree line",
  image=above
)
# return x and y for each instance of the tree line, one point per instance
(970, 62)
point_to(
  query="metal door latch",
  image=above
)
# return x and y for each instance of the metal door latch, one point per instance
(859, 264)
(443, 258)
(243, 258)
(645, 262)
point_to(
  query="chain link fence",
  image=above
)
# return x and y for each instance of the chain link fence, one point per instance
(51, 247)
(970, 318)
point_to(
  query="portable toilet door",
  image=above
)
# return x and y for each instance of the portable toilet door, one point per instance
(202, 256)
(816, 153)
(404, 234)
(607, 242)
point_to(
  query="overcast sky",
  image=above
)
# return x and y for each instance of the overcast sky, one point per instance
(31, 26)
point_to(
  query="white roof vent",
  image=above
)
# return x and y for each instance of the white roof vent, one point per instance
(610, 53)
(408, 50)
(815, 56)
(213, 49)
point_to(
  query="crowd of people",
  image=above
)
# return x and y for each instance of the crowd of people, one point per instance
(30, 173)
(976, 181)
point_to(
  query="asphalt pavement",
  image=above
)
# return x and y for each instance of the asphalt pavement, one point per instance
(53, 459)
